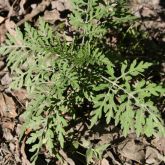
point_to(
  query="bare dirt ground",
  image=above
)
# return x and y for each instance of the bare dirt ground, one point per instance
(130, 150)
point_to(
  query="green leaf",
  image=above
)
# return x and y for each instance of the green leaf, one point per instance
(100, 149)
(139, 121)
(89, 155)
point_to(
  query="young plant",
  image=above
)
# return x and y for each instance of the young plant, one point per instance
(61, 77)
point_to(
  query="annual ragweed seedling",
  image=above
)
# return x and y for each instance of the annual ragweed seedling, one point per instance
(60, 77)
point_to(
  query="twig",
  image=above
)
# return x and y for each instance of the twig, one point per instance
(68, 160)
(11, 9)
(25, 161)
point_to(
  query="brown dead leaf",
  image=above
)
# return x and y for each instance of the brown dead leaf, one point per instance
(3, 72)
(7, 134)
(12, 147)
(11, 9)
(10, 106)
(33, 6)
(40, 8)
(51, 16)
(159, 143)
(58, 5)
(1, 19)
(18, 129)
(147, 12)
(4, 5)
(67, 4)
(22, 10)
(24, 158)
(2, 65)
(2, 105)
(68, 38)
(21, 118)
(6, 79)
(17, 151)
(111, 156)
(8, 124)
(105, 162)
(153, 156)
(129, 149)
(21, 95)
(7, 106)
(66, 158)
(10, 26)
(2, 32)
